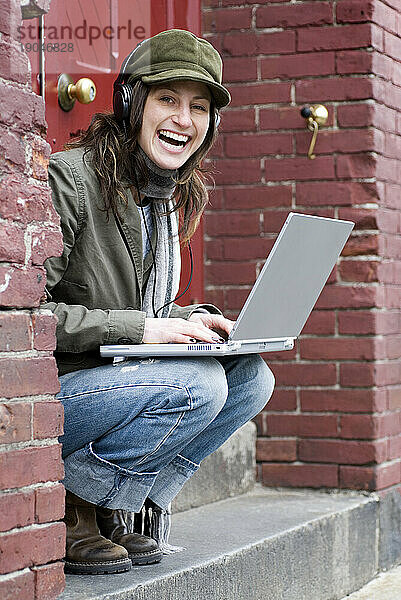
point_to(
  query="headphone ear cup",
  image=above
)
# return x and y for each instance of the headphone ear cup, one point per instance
(122, 99)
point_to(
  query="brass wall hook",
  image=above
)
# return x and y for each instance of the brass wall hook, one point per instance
(315, 115)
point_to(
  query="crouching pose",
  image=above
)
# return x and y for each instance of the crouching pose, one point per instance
(128, 192)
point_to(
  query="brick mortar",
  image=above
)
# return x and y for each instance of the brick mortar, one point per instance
(20, 133)
(370, 190)
(32, 443)
(30, 488)
(27, 528)
(31, 399)
(13, 574)
(25, 354)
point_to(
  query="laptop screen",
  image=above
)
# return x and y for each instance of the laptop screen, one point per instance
(294, 274)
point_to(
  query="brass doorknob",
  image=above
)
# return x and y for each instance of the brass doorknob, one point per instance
(84, 90)
(315, 115)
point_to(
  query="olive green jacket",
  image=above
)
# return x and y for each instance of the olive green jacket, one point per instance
(96, 287)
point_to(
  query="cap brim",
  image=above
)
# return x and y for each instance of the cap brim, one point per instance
(220, 94)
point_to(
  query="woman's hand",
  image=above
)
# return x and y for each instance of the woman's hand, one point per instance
(217, 323)
(197, 327)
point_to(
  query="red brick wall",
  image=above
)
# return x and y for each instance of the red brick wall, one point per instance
(31, 499)
(335, 417)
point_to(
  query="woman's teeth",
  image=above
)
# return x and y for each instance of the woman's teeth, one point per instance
(173, 139)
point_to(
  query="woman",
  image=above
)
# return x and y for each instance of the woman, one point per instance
(136, 431)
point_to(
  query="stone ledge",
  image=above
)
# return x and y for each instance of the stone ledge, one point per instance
(267, 544)
(387, 586)
(228, 472)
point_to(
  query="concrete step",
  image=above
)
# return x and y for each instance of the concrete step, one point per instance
(228, 472)
(264, 545)
(386, 586)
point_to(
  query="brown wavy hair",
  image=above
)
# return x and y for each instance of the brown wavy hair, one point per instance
(115, 158)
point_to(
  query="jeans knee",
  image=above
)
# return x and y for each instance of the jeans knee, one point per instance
(211, 389)
(260, 385)
(269, 381)
(265, 382)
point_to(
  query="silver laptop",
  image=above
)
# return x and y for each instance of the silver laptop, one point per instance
(280, 302)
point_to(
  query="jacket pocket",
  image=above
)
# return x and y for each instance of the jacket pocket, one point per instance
(71, 358)
(70, 292)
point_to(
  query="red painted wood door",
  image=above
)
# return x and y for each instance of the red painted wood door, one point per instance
(91, 38)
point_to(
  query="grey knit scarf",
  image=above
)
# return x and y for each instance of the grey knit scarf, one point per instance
(161, 184)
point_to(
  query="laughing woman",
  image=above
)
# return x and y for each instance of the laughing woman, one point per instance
(136, 431)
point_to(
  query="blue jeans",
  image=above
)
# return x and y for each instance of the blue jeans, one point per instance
(141, 428)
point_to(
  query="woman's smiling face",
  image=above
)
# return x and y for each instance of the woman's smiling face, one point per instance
(175, 122)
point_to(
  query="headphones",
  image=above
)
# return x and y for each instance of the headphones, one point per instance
(122, 94)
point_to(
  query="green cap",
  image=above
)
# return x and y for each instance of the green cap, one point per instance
(176, 55)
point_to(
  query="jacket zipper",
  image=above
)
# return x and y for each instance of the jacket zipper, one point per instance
(121, 232)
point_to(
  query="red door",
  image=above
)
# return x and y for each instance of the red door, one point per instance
(90, 38)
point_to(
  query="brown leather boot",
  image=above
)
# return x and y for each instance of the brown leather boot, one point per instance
(87, 551)
(113, 524)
